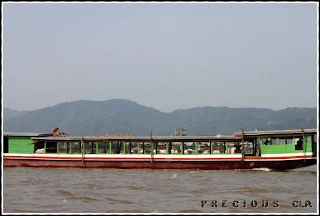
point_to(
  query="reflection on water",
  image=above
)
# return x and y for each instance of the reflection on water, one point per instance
(158, 191)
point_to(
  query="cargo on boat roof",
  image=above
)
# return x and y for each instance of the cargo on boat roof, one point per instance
(139, 138)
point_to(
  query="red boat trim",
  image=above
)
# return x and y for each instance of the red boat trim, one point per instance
(154, 159)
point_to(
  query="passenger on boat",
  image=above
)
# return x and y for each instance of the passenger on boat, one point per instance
(40, 151)
(258, 149)
(299, 145)
(238, 148)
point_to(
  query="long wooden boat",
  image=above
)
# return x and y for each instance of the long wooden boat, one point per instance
(275, 150)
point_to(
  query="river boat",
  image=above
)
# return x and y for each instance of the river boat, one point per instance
(273, 149)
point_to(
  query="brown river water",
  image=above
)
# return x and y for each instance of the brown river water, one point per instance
(49, 190)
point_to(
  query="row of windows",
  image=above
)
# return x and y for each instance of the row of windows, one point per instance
(280, 141)
(138, 148)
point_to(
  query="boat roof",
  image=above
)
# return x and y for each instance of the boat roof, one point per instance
(139, 138)
(15, 134)
(235, 137)
(277, 132)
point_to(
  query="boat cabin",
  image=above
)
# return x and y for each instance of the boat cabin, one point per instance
(139, 145)
(21, 142)
(257, 143)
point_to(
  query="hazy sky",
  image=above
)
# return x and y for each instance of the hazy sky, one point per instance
(166, 56)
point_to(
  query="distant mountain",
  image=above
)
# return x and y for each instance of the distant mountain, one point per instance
(125, 116)
(11, 113)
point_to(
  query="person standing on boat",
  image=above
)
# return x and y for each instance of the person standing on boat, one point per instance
(299, 144)
(258, 149)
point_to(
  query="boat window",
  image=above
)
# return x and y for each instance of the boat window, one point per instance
(135, 148)
(63, 147)
(200, 148)
(221, 147)
(39, 147)
(186, 147)
(142, 147)
(237, 147)
(129, 149)
(90, 147)
(103, 148)
(248, 148)
(51, 147)
(289, 140)
(124, 147)
(189, 148)
(176, 148)
(116, 147)
(192, 149)
(231, 148)
(282, 141)
(273, 141)
(75, 148)
(161, 148)
(205, 148)
(147, 148)
(266, 141)
(218, 148)
(5, 145)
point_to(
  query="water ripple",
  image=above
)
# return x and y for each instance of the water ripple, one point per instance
(154, 191)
